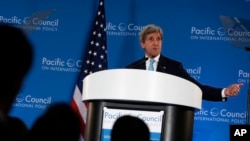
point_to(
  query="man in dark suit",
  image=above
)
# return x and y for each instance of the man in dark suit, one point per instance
(151, 41)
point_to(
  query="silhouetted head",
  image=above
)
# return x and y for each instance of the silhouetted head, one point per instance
(59, 122)
(130, 128)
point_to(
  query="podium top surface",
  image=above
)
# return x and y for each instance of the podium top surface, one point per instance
(141, 86)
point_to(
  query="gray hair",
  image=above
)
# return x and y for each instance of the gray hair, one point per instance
(151, 28)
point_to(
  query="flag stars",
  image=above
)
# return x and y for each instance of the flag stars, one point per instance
(96, 44)
(101, 25)
(92, 42)
(86, 71)
(99, 35)
(87, 62)
(99, 13)
(103, 16)
(100, 66)
(102, 56)
(90, 52)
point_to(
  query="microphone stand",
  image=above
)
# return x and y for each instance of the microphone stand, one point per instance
(248, 94)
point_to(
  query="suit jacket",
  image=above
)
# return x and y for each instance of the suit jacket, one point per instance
(173, 67)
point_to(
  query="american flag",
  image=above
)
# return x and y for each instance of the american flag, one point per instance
(95, 59)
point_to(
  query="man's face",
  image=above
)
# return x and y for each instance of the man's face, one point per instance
(152, 44)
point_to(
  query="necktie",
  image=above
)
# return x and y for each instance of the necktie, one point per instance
(151, 65)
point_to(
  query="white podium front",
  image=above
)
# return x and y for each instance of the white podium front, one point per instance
(146, 91)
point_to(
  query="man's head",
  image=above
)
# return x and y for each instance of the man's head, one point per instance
(16, 61)
(130, 128)
(151, 40)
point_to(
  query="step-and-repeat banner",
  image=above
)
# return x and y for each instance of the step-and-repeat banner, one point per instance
(209, 37)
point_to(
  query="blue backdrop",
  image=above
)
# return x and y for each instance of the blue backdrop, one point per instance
(209, 37)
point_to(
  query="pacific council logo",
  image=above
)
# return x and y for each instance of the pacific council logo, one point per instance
(19, 98)
(122, 26)
(70, 62)
(221, 31)
(214, 112)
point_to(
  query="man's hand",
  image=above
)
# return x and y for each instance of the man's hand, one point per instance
(233, 89)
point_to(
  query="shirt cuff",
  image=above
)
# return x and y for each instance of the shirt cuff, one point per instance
(223, 93)
(224, 97)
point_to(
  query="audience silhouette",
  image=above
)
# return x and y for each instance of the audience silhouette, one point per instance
(130, 128)
(18, 129)
(16, 61)
(59, 122)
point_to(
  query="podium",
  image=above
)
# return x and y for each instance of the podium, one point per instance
(166, 101)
